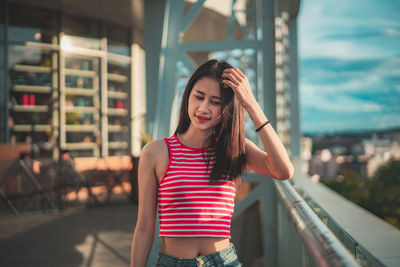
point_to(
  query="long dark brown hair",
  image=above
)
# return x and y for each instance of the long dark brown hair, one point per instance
(228, 139)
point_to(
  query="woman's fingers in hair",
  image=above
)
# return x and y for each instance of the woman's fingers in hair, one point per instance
(236, 80)
(234, 74)
(232, 78)
(230, 84)
(237, 72)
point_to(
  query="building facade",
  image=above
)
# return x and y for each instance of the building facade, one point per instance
(72, 72)
(72, 76)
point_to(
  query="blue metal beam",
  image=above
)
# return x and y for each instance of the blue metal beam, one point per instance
(219, 45)
(188, 62)
(153, 19)
(229, 26)
(294, 90)
(169, 57)
(268, 77)
(268, 59)
(249, 200)
(243, 28)
(191, 14)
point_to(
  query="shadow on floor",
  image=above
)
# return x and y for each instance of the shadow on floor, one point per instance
(98, 236)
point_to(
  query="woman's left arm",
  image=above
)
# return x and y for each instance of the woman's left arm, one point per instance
(274, 162)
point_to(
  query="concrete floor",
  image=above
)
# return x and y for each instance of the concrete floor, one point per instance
(79, 236)
(98, 236)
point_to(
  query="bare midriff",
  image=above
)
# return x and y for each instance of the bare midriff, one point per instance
(192, 247)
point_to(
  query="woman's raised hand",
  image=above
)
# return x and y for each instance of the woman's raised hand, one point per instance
(239, 83)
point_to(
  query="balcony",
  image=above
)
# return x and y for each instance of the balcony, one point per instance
(276, 223)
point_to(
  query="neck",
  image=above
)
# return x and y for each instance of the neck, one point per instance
(196, 138)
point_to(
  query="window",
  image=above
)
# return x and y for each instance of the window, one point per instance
(118, 39)
(79, 26)
(31, 24)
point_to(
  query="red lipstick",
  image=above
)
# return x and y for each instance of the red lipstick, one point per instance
(202, 119)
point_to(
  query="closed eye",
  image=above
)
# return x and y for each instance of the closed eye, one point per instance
(199, 97)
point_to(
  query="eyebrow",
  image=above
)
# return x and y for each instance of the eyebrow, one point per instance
(202, 93)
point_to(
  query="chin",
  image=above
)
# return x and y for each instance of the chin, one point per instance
(202, 128)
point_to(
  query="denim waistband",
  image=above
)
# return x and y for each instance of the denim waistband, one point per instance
(220, 258)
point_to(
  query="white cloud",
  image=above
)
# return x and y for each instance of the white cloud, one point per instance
(384, 121)
(334, 49)
(369, 81)
(334, 124)
(342, 29)
(319, 19)
(313, 98)
(357, 84)
(390, 67)
(312, 47)
(366, 83)
(392, 32)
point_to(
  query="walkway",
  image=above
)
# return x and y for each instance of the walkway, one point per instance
(98, 236)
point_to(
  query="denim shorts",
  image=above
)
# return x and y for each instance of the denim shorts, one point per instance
(226, 257)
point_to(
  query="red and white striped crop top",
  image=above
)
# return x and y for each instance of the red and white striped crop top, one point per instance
(188, 204)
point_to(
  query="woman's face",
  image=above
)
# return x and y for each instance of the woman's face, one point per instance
(204, 106)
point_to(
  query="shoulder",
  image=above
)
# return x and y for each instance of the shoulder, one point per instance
(154, 158)
(155, 148)
(155, 153)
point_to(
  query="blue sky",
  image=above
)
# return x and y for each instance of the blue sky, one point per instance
(349, 59)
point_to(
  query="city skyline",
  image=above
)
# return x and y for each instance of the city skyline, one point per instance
(349, 65)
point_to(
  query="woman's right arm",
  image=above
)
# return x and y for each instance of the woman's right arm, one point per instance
(145, 227)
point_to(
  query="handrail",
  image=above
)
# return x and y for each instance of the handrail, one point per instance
(322, 246)
(357, 249)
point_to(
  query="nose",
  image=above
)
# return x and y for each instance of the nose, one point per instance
(203, 106)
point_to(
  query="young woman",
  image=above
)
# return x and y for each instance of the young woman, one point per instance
(191, 176)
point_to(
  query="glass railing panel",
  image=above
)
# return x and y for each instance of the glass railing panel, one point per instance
(361, 255)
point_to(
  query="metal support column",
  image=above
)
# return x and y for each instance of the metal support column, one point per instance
(294, 90)
(169, 58)
(4, 101)
(173, 50)
(268, 59)
(153, 19)
(269, 224)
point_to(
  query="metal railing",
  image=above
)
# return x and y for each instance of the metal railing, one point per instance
(292, 233)
(321, 245)
(362, 256)
(302, 238)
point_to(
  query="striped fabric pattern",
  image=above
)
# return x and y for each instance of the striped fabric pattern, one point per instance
(188, 204)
